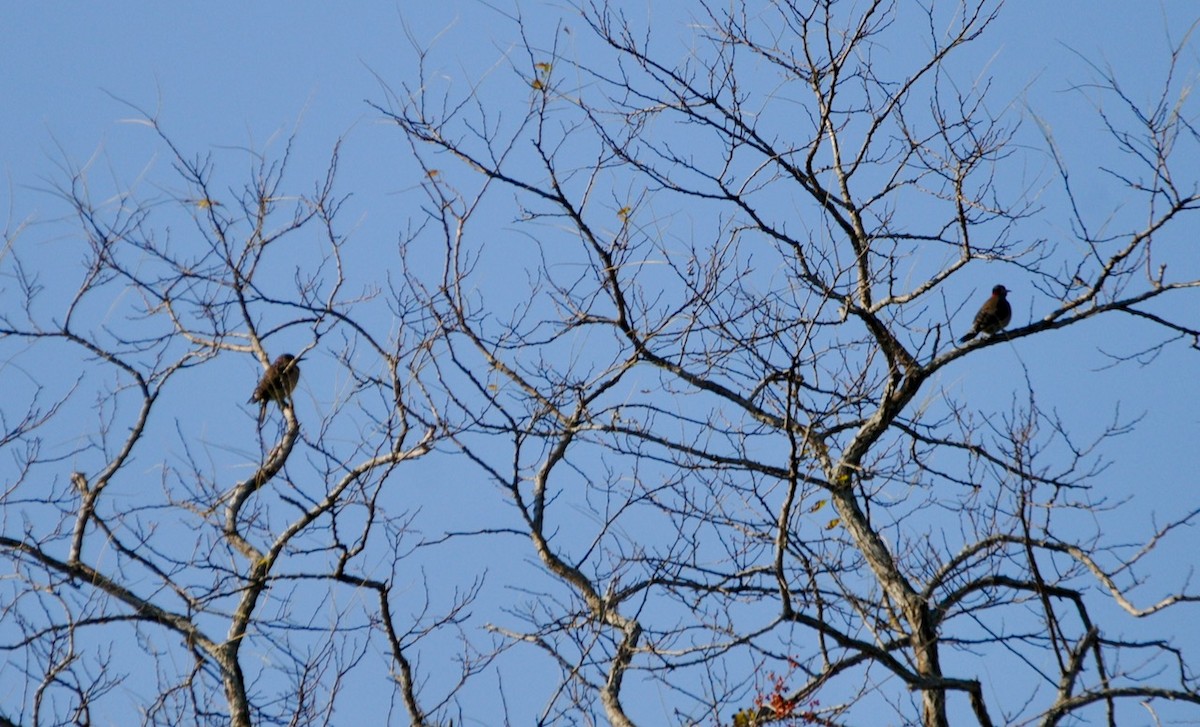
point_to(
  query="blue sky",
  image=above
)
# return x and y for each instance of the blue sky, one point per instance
(229, 75)
(237, 74)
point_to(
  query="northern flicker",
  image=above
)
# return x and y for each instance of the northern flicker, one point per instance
(993, 315)
(276, 384)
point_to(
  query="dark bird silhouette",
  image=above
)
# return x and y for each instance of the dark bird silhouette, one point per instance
(277, 384)
(993, 315)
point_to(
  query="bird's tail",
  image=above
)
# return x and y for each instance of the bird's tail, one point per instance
(968, 337)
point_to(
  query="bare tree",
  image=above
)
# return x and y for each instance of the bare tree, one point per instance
(751, 276)
(190, 564)
(676, 360)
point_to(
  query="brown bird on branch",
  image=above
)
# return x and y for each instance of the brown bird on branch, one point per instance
(993, 315)
(277, 384)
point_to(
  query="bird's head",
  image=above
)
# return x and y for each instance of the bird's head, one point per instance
(285, 362)
(999, 291)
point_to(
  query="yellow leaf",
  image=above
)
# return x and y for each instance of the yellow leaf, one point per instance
(624, 212)
(432, 173)
(817, 505)
(744, 718)
(833, 523)
(543, 67)
(537, 84)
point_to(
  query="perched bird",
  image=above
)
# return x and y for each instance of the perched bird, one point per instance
(993, 315)
(276, 384)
